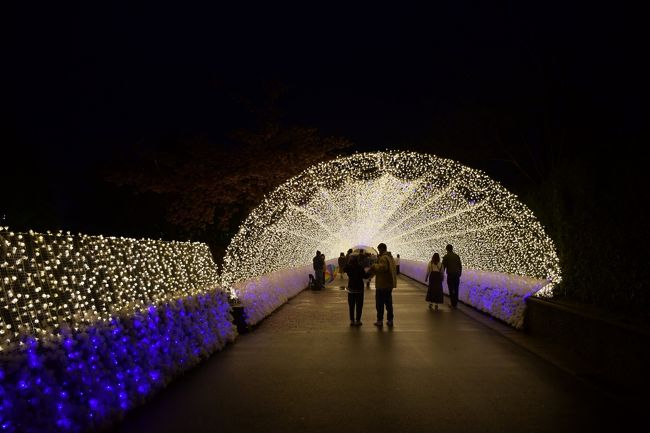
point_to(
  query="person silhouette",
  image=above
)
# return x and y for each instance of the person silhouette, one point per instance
(435, 277)
(318, 265)
(454, 268)
(356, 274)
(385, 280)
(342, 262)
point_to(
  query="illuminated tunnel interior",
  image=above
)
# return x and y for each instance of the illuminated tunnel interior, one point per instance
(415, 203)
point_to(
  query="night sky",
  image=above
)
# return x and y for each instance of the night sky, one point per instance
(92, 83)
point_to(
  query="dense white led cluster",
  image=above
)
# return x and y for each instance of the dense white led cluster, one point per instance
(54, 278)
(415, 203)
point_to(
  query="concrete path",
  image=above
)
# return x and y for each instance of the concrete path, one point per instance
(304, 369)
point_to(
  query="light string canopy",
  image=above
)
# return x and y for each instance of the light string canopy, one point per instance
(415, 203)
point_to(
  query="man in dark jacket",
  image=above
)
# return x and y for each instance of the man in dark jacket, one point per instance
(454, 268)
(319, 265)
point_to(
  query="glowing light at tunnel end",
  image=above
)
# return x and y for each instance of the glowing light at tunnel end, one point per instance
(415, 203)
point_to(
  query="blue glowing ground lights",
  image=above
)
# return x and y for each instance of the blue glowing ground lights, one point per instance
(88, 378)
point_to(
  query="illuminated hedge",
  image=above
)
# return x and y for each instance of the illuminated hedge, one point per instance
(83, 380)
(262, 295)
(415, 203)
(54, 279)
(93, 326)
(500, 295)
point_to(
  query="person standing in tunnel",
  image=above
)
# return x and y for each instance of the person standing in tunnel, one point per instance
(356, 274)
(452, 265)
(385, 280)
(435, 277)
(342, 262)
(319, 264)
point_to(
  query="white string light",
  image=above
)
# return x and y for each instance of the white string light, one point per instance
(415, 203)
(54, 278)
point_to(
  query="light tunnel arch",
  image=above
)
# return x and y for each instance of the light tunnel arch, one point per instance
(415, 203)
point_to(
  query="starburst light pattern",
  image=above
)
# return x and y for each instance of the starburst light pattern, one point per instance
(415, 203)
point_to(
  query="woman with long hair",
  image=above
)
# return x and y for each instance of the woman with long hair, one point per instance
(356, 274)
(435, 276)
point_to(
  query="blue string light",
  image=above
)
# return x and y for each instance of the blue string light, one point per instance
(88, 378)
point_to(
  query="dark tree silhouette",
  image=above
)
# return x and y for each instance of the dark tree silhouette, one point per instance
(207, 184)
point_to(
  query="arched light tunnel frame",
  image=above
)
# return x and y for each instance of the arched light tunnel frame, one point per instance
(416, 203)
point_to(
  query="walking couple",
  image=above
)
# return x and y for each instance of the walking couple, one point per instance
(435, 274)
(385, 275)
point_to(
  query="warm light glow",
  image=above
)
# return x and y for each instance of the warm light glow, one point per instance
(415, 203)
(51, 279)
(93, 326)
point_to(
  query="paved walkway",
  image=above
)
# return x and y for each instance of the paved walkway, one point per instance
(305, 369)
